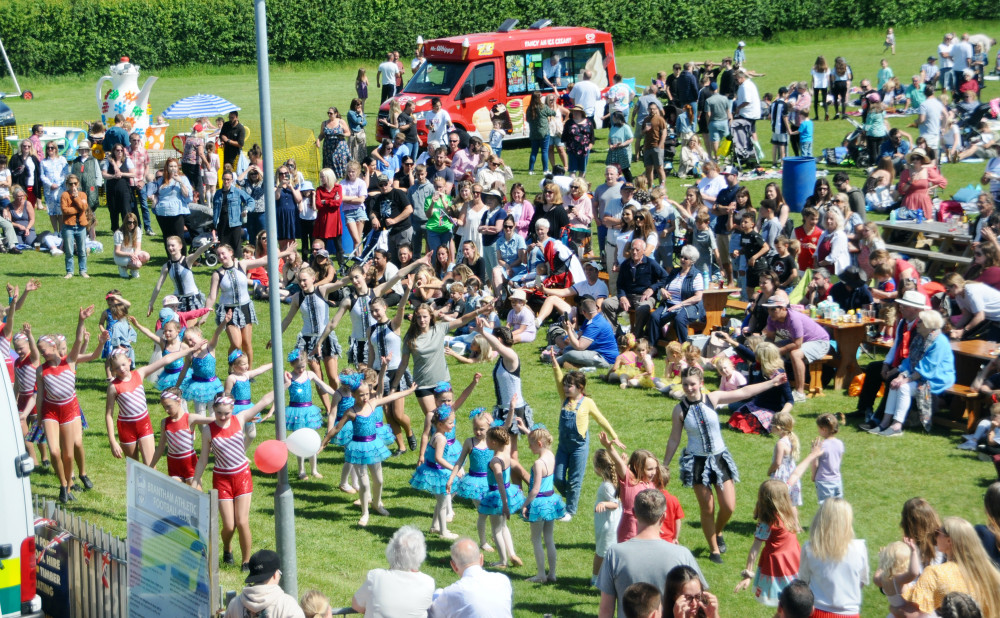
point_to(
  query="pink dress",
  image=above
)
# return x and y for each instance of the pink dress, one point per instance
(917, 195)
(628, 489)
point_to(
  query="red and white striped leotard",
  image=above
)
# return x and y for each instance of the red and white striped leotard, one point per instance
(180, 438)
(60, 382)
(5, 353)
(131, 397)
(227, 446)
(24, 376)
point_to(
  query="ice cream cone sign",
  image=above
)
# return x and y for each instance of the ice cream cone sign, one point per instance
(420, 44)
(465, 48)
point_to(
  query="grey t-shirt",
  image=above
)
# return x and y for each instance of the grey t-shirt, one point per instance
(429, 366)
(418, 193)
(609, 202)
(932, 110)
(718, 107)
(640, 560)
(642, 109)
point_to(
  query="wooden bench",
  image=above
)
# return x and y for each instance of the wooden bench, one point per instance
(736, 305)
(972, 404)
(816, 376)
(931, 256)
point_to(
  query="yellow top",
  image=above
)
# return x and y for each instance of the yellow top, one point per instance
(936, 581)
(586, 409)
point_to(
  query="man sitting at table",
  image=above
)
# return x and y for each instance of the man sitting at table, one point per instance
(799, 337)
(852, 291)
(980, 309)
(877, 373)
(819, 288)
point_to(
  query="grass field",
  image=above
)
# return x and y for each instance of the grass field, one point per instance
(333, 554)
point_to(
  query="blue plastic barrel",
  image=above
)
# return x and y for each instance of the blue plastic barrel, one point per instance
(798, 177)
(346, 242)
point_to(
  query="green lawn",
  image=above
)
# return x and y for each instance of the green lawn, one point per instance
(333, 553)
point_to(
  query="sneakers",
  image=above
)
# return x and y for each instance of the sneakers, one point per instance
(227, 558)
(411, 441)
(889, 432)
(567, 517)
(716, 558)
(798, 396)
(968, 445)
(87, 483)
(64, 495)
(876, 429)
(245, 568)
(867, 426)
(14, 251)
(722, 543)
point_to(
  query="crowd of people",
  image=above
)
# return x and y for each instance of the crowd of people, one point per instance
(478, 264)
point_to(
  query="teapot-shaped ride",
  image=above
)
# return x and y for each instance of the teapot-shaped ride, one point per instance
(125, 97)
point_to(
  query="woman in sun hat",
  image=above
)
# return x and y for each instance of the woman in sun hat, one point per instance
(916, 180)
(578, 138)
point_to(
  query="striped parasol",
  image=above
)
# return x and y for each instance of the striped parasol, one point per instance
(199, 105)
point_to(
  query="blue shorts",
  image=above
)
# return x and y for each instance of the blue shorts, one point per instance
(829, 489)
(353, 216)
(717, 129)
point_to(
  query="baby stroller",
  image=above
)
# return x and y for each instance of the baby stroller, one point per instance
(364, 252)
(742, 152)
(857, 145)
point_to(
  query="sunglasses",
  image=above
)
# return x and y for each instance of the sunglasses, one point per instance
(508, 227)
(550, 193)
(73, 184)
(477, 192)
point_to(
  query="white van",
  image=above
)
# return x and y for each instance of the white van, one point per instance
(18, 594)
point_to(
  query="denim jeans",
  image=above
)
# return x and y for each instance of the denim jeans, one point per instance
(536, 145)
(418, 226)
(806, 148)
(74, 239)
(142, 206)
(571, 459)
(578, 162)
(947, 79)
(437, 239)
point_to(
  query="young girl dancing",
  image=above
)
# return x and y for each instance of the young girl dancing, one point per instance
(786, 452)
(776, 529)
(376, 382)
(543, 506)
(433, 475)
(302, 413)
(168, 341)
(231, 472)
(59, 408)
(574, 434)
(343, 399)
(607, 510)
(642, 471)
(176, 439)
(135, 431)
(238, 387)
(178, 268)
(501, 497)
(364, 449)
(472, 485)
(25, 369)
(202, 385)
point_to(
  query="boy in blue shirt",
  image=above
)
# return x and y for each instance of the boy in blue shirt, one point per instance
(805, 133)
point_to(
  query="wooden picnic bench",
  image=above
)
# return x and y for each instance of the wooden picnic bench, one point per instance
(931, 256)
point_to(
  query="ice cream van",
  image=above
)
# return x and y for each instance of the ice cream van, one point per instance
(476, 73)
(18, 583)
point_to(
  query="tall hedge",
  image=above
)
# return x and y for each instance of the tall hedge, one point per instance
(64, 36)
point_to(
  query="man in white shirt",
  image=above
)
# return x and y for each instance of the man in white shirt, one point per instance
(552, 72)
(438, 126)
(980, 305)
(592, 286)
(586, 94)
(961, 56)
(944, 52)
(747, 100)
(478, 593)
(931, 116)
(386, 78)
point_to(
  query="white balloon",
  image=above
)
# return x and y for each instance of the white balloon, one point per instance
(303, 443)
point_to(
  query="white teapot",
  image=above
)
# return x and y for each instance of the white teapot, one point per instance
(125, 97)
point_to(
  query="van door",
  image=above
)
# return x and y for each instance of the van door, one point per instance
(477, 95)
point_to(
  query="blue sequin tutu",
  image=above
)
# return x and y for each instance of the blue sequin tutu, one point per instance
(301, 413)
(492, 504)
(547, 505)
(382, 428)
(473, 485)
(430, 476)
(241, 396)
(365, 448)
(201, 385)
(346, 434)
(169, 374)
(452, 449)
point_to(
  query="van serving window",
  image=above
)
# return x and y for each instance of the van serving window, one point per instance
(524, 69)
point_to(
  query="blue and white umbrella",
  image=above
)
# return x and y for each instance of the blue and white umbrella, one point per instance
(199, 105)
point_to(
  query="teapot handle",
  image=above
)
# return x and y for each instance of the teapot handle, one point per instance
(100, 81)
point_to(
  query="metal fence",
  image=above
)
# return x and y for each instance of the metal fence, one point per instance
(98, 564)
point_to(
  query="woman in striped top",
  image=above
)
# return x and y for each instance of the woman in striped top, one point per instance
(25, 369)
(176, 439)
(231, 472)
(135, 432)
(58, 407)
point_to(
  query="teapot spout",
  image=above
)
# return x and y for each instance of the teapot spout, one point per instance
(143, 97)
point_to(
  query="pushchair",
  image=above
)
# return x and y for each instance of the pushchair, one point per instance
(857, 145)
(364, 252)
(742, 151)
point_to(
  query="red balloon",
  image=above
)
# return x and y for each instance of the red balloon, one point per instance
(270, 456)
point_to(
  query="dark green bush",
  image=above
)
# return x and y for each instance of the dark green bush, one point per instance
(63, 36)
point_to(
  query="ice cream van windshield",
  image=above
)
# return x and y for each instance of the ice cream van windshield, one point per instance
(435, 78)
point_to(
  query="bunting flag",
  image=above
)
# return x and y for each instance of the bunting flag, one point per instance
(59, 538)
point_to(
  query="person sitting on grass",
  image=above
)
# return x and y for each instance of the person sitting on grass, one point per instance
(593, 346)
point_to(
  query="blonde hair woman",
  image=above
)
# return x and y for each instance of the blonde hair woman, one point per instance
(968, 569)
(833, 562)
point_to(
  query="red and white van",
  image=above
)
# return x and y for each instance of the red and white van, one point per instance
(472, 73)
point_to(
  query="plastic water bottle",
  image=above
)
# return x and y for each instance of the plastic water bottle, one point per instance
(920, 215)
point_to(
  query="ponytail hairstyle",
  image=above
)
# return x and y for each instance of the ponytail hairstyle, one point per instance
(314, 603)
(605, 467)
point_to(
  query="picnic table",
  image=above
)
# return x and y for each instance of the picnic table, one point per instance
(849, 337)
(715, 300)
(954, 246)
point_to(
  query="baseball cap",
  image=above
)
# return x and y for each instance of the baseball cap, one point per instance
(741, 44)
(382, 180)
(629, 186)
(263, 565)
(778, 299)
(593, 264)
(170, 300)
(730, 170)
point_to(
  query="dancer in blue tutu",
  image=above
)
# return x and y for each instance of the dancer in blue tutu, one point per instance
(443, 396)
(502, 498)
(382, 429)
(301, 413)
(169, 341)
(343, 400)
(472, 485)
(543, 506)
(201, 385)
(238, 387)
(434, 473)
(365, 449)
